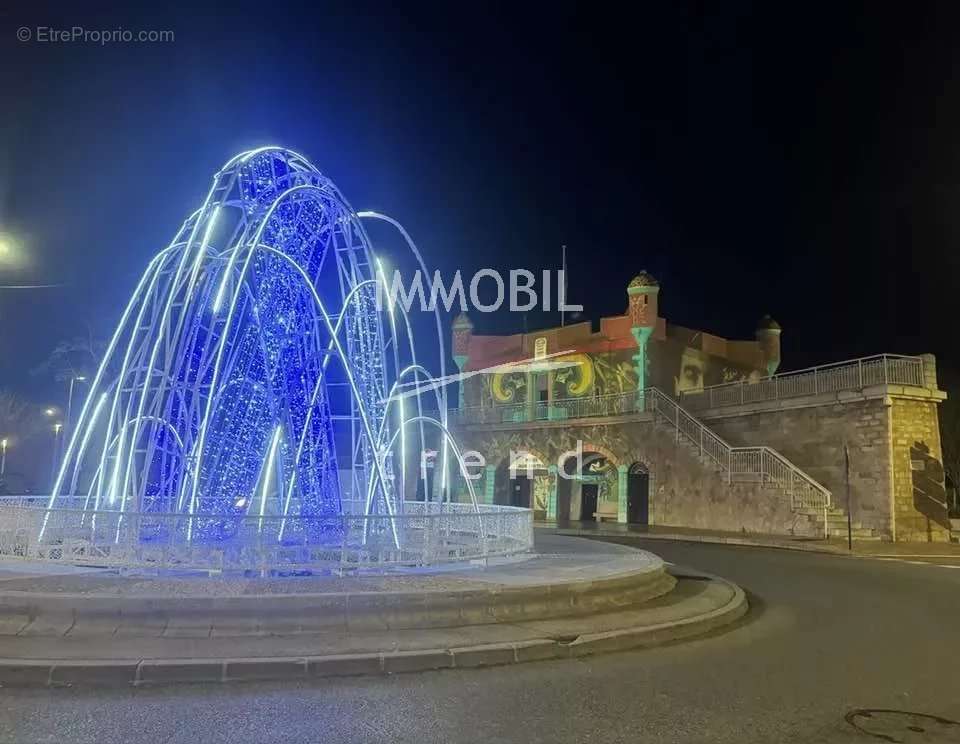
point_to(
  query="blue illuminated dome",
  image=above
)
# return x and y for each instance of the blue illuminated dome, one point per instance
(248, 384)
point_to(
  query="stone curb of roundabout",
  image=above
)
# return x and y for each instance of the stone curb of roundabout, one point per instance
(68, 672)
(805, 546)
(556, 620)
(43, 614)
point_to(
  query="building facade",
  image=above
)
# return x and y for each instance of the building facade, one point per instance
(642, 421)
(625, 354)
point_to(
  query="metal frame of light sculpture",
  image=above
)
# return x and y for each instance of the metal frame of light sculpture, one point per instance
(251, 355)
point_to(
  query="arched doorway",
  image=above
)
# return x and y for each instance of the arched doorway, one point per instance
(525, 483)
(588, 493)
(638, 494)
(565, 475)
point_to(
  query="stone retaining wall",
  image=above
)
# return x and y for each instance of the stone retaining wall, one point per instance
(896, 482)
(684, 491)
(893, 439)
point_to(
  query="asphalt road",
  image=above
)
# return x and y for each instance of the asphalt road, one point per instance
(827, 635)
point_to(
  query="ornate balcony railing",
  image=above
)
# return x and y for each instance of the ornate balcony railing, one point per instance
(856, 374)
(556, 410)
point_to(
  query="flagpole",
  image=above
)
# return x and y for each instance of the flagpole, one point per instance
(563, 285)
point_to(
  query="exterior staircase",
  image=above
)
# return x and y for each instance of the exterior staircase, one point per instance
(762, 465)
(837, 524)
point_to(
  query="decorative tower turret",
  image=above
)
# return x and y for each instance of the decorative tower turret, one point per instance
(642, 295)
(768, 339)
(462, 331)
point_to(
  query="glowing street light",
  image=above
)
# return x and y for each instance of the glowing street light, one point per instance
(12, 253)
(7, 248)
(50, 411)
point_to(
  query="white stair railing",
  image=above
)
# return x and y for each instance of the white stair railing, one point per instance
(761, 465)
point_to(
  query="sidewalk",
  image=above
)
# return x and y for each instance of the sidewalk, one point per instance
(865, 548)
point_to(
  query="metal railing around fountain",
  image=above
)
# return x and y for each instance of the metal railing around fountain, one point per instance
(427, 534)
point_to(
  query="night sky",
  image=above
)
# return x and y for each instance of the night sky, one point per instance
(804, 163)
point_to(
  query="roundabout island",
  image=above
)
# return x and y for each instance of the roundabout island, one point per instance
(571, 598)
(245, 494)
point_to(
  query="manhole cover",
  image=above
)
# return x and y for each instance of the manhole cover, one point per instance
(903, 726)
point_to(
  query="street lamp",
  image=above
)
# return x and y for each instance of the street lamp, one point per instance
(50, 411)
(3, 456)
(12, 253)
(78, 378)
(57, 427)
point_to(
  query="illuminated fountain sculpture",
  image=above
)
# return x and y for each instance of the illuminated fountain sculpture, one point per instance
(247, 411)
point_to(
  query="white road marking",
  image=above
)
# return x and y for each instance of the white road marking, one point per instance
(916, 555)
(914, 563)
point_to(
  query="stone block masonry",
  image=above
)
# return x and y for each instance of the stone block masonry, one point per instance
(919, 497)
(896, 481)
(893, 439)
(685, 489)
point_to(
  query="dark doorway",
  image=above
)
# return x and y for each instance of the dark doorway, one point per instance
(565, 489)
(563, 499)
(638, 495)
(588, 501)
(520, 491)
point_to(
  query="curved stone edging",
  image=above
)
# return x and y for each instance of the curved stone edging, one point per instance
(58, 614)
(53, 673)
